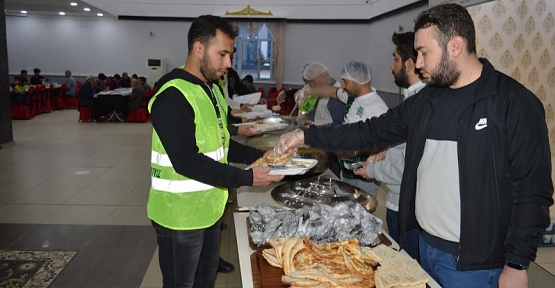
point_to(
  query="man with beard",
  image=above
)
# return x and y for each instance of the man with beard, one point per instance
(191, 148)
(362, 102)
(477, 175)
(390, 170)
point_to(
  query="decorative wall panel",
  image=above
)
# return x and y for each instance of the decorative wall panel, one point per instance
(517, 37)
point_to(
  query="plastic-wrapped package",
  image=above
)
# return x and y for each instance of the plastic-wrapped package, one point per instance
(320, 223)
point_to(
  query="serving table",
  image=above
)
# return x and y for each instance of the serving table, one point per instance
(247, 199)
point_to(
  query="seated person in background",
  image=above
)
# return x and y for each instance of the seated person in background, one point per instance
(71, 85)
(18, 95)
(134, 76)
(142, 82)
(99, 84)
(87, 96)
(23, 77)
(116, 79)
(125, 82)
(87, 92)
(248, 81)
(136, 99)
(109, 83)
(37, 79)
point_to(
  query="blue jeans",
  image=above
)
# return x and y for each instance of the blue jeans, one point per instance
(442, 266)
(188, 258)
(411, 237)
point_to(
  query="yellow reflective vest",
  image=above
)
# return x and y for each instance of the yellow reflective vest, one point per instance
(176, 201)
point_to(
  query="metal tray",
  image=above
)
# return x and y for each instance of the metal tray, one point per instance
(322, 190)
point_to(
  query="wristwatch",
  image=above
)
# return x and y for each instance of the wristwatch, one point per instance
(515, 265)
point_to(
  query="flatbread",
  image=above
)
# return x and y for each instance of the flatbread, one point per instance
(272, 159)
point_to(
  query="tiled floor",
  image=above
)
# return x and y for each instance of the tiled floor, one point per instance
(83, 187)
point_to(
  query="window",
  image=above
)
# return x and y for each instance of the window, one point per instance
(255, 50)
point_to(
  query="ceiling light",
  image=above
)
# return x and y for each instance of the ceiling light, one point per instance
(99, 14)
(62, 13)
(73, 4)
(87, 9)
(23, 11)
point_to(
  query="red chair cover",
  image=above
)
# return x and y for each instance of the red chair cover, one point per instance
(85, 114)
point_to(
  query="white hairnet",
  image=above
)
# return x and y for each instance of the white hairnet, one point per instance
(306, 65)
(313, 70)
(356, 71)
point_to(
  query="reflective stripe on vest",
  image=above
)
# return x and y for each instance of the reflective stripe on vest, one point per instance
(164, 161)
(178, 186)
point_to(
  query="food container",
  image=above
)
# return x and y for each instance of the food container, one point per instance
(322, 190)
(268, 140)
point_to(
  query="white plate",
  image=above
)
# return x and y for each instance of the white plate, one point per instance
(307, 165)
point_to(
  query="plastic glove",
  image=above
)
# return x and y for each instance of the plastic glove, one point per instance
(302, 94)
(289, 142)
(281, 97)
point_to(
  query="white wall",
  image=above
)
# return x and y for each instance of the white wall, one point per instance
(332, 44)
(91, 46)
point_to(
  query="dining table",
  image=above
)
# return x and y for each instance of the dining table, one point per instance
(113, 102)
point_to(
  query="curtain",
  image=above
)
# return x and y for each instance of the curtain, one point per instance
(276, 31)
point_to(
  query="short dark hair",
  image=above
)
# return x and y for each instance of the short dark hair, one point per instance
(203, 29)
(450, 20)
(248, 78)
(116, 76)
(36, 70)
(404, 43)
(142, 79)
(101, 76)
(23, 71)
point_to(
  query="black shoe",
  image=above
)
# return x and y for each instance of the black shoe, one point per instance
(225, 267)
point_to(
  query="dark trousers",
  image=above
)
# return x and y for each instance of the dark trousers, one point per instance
(188, 258)
(411, 237)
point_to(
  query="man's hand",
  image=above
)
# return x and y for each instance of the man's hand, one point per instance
(261, 178)
(245, 107)
(262, 101)
(362, 171)
(513, 278)
(303, 121)
(245, 130)
(289, 142)
(376, 157)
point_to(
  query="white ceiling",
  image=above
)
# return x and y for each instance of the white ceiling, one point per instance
(52, 8)
(290, 9)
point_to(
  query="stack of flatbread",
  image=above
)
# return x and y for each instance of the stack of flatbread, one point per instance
(314, 265)
(272, 159)
(396, 269)
(342, 264)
